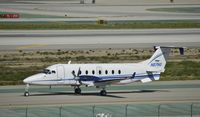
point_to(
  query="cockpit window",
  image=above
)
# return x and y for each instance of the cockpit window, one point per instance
(46, 71)
(53, 71)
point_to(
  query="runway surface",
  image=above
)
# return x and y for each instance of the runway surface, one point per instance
(154, 92)
(87, 39)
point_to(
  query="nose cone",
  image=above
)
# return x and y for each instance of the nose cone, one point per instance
(33, 78)
(29, 79)
(26, 80)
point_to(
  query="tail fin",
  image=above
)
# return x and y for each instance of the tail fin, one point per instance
(158, 60)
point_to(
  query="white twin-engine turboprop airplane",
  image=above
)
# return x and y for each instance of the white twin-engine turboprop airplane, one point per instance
(101, 75)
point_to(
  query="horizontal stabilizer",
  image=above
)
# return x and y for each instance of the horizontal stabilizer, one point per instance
(181, 49)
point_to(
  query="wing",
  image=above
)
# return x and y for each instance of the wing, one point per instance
(103, 80)
(111, 80)
(108, 81)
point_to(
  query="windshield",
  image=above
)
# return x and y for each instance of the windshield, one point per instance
(46, 71)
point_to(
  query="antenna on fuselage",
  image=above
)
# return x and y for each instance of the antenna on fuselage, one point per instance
(69, 62)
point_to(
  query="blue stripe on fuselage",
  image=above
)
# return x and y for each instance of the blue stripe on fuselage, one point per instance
(97, 78)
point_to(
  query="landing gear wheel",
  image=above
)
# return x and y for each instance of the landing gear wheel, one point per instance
(26, 94)
(82, 2)
(93, 1)
(103, 93)
(77, 91)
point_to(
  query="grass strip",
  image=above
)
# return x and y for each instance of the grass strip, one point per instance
(145, 24)
(177, 9)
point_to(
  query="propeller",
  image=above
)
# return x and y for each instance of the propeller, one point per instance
(76, 76)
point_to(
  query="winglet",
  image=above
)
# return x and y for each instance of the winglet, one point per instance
(133, 76)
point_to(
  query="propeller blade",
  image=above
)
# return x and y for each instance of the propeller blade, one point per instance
(73, 73)
(76, 77)
(79, 72)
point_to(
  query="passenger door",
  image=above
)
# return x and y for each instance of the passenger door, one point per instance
(60, 72)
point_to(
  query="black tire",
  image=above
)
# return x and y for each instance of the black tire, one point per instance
(77, 91)
(93, 1)
(103, 93)
(26, 94)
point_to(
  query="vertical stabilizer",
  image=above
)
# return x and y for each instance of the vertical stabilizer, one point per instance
(158, 60)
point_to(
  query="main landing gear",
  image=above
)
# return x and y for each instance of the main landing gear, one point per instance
(26, 93)
(103, 92)
(77, 90)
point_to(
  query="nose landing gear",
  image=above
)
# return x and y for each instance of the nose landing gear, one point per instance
(26, 93)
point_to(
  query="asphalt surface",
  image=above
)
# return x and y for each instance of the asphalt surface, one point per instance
(154, 92)
(95, 39)
(103, 9)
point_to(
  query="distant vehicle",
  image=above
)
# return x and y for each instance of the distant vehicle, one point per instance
(83, 1)
(102, 75)
(9, 15)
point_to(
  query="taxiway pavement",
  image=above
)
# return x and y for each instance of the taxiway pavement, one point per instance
(97, 39)
(63, 10)
(154, 92)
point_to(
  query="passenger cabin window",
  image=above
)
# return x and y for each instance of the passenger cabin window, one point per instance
(53, 71)
(86, 72)
(119, 71)
(113, 71)
(73, 72)
(93, 72)
(106, 72)
(99, 72)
